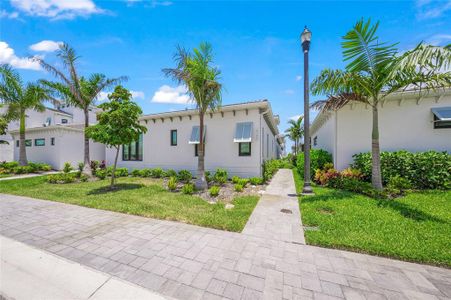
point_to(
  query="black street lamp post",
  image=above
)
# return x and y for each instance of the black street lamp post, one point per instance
(306, 36)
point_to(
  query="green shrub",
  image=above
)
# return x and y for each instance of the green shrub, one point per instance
(83, 178)
(243, 181)
(170, 173)
(188, 189)
(157, 173)
(214, 191)
(81, 166)
(9, 166)
(318, 158)
(146, 172)
(44, 167)
(235, 179)
(238, 188)
(101, 174)
(22, 170)
(67, 167)
(399, 183)
(61, 178)
(425, 170)
(172, 184)
(256, 180)
(220, 176)
(121, 172)
(208, 176)
(136, 173)
(184, 175)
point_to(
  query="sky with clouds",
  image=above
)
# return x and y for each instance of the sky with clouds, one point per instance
(256, 44)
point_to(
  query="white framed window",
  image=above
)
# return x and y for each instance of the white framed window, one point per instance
(195, 133)
(442, 117)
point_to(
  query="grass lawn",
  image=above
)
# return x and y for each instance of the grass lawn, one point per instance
(416, 227)
(138, 196)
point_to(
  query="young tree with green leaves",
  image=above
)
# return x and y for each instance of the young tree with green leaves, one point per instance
(295, 132)
(118, 123)
(376, 70)
(196, 72)
(19, 98)
(80, 92)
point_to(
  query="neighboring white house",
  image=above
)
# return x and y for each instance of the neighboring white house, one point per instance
(407, 121)
(53, 136)
(238, 138)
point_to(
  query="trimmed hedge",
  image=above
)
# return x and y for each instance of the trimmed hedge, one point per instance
(318, 158)
(425, 170)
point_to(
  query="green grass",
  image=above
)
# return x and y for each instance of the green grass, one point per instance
(416, 227)
(138, 196)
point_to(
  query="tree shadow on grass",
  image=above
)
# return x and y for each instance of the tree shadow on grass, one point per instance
(409, 212)
(117, 187)
(331, 195)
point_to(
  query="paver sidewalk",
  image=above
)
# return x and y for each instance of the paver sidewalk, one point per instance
(28, 175)
(276, 216)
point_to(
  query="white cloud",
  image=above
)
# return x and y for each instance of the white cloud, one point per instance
(57, 9)
(427, 9)
(298, 78)
(439, 39)
(296, 117)
(167, 94)
(7, 56)
(289, 92)
(103, 96)
(8, 15)
(46, 46)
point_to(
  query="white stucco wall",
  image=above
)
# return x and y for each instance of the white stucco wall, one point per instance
(68, 147)
(403, 125)
(220, 150)
(325, 135)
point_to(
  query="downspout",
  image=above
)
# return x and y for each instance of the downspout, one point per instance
(261, 141)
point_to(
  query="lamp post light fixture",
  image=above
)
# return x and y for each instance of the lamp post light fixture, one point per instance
(306, 37)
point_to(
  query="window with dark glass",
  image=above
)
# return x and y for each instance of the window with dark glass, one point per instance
(17, 143)
(315, 141)
(174, 137)
(442, 117)
(244, 149)
(134, 150)
(63, 121)
(39, 142)
(52, 141)
(28, 143)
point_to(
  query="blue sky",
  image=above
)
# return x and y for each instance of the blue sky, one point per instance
(256, 44)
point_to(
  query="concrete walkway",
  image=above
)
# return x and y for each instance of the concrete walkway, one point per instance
(191, 262)
(276, 216)
(28, 273)
(29, 175)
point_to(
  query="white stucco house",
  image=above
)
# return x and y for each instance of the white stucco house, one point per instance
(238, 138)
(407, 121)
(54, 136)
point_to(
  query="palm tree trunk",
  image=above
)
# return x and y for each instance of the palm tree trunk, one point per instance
(376, 178)
(201, 183)
(86, 160)
(22, 150)
(113, 175)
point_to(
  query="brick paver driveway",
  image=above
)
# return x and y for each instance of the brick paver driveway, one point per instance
(191, 262)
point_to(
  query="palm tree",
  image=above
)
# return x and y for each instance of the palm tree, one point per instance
(19, 98)
(295, 132)
(374, 71)
(78, 91)
(194, 70)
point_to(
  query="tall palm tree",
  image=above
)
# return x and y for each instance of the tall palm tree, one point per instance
(374, 71)
(295, 132)
(195, 71)
(19, 98)
(78, 91)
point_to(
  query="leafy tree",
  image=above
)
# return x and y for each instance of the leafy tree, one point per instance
(78, 91)
(196, 72)
(295, 132)
(19, 98)
(374, 71)
(118, 123)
